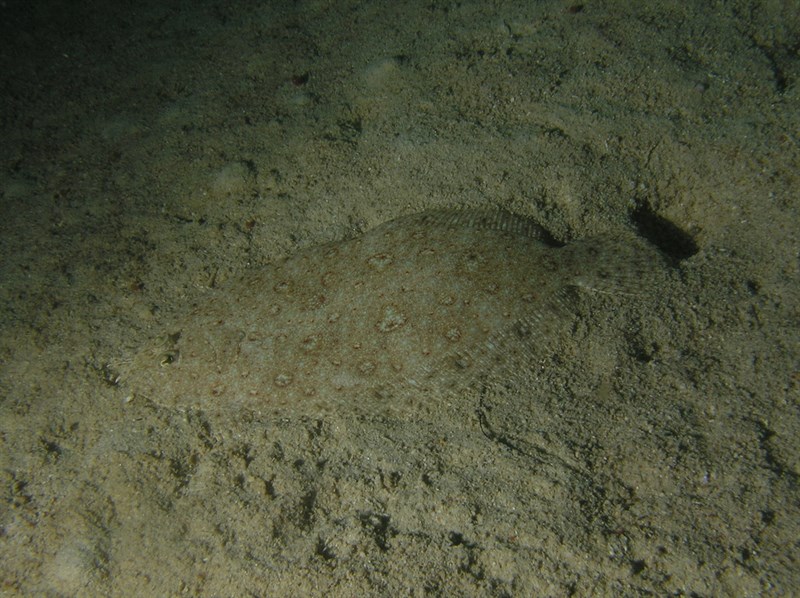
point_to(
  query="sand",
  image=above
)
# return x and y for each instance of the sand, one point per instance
(150, 153)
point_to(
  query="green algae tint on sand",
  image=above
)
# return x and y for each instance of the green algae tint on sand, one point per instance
(372, 323)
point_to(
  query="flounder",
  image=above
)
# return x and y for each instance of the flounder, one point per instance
(370, 321)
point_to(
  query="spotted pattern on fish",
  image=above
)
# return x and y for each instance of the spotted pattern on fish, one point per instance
(367, 322)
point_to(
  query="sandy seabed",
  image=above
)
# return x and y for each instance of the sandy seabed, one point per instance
(152, 151)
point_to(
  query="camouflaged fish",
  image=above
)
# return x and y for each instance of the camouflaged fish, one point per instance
(373, 320)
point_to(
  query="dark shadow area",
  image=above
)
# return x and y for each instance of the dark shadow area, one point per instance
(667, 236)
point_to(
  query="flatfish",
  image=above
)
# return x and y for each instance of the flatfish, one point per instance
(368, 322)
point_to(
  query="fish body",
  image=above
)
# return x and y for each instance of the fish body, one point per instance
(373, 319)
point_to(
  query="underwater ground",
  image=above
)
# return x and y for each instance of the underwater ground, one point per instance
(152, 152)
